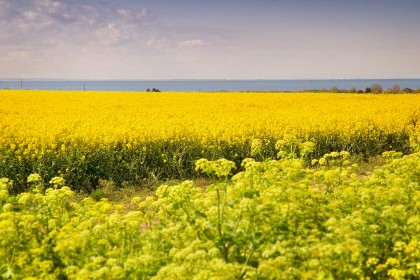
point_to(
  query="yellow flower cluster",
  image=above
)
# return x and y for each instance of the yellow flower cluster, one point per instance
(105, 117)
(129, 136)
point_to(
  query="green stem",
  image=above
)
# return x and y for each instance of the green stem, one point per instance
(219, 223)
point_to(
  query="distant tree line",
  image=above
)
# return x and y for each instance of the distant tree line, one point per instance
(375, 88)
(153, 90)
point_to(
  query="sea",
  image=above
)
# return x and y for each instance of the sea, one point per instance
(205, 85)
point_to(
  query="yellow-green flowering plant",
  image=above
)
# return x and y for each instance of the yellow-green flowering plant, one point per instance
(277, 219)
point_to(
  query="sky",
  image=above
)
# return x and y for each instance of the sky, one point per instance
(212, 39)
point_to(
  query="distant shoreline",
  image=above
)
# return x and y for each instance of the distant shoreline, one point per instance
(313, 85)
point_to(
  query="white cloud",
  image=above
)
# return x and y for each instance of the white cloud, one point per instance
(49, 5)
(14, 55)
(4, 4)
(157, 43)
(112, 34)
(41, 22)
(62, 12)
(192, 43)
(134, 15)
(30, 15)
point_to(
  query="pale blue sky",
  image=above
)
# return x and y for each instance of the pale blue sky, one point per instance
(214, 39)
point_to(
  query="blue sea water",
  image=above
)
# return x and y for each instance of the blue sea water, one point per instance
(206, 85)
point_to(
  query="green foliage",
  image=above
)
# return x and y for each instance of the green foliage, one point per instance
(415, 141)
(277, 219)
(97, 195)
(83, 165)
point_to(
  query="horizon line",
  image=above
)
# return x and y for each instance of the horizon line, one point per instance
(203, 79)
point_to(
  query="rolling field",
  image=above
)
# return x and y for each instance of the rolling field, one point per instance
(283, 200)
(133, 137)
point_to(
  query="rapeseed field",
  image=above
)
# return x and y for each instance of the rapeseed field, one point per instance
(133, 136)
(285, 199)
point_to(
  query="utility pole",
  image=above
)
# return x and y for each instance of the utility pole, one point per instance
(21, 84)
(84, 86)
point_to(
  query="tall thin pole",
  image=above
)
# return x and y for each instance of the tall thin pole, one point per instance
(21, 84)
(84, 86)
